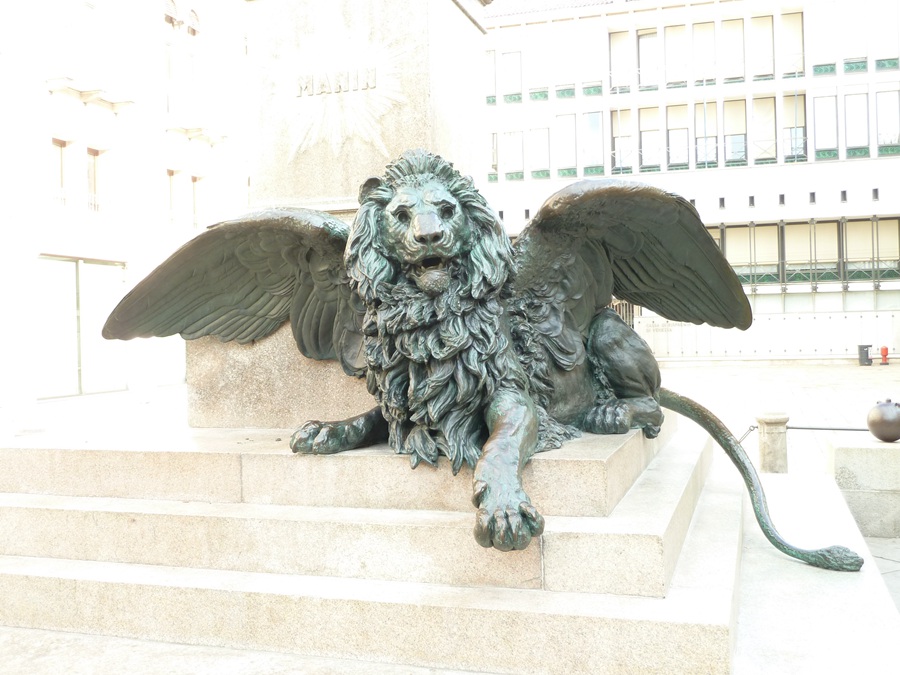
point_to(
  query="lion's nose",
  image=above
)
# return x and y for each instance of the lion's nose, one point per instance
(427, 228)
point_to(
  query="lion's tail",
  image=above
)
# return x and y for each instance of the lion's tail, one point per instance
(831, 558)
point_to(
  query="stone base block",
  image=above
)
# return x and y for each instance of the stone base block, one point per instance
(267, 384)
(868, 474)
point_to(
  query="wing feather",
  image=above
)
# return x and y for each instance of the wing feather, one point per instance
(242, 279)
(595, 239)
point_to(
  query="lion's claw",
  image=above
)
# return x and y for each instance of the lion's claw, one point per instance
(506, 529)
(479, 489)
(320, 438)
(617, 416)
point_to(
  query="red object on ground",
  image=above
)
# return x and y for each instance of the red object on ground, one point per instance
(884, 358)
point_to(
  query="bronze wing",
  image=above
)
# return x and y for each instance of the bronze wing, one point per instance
(242, 279)
(596, 239)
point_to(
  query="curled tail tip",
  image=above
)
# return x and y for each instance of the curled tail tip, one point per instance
(837, 558)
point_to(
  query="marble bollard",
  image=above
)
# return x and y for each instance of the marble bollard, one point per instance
(773, 442)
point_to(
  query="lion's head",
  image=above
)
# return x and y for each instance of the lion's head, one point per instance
(425, 225)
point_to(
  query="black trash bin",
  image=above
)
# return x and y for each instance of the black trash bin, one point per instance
(863, 353)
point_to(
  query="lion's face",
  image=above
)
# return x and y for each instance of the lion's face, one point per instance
(424, 230)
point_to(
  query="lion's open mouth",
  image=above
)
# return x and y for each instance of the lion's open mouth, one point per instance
(431, 275)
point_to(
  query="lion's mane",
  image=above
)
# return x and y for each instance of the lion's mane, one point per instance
(433, 362)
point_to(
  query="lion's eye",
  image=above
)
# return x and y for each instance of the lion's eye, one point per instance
(447, 211)
(402, 215)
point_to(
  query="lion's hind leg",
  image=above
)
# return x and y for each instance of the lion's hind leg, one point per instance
(328, 438)
(626, 368)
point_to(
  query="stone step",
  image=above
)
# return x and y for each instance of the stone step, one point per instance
(28, 651)
(430, 625)
(582, 554)
(586, 477)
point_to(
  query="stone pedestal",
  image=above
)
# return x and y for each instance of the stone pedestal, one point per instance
(337, 90)
(267, 384)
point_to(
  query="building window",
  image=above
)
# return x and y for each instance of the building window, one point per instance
(197, 200)
(621, 63)
(648, 60)
(705, 131)
(735, 133)
(170, 14)
(511, 77)
(825, 109)
(812, 197)
(794, 125)
(856, 124)
(843, 195)
(764, 148)
(76, 296)
(648, 121)
(564, 153)
(751, 202)
(490, 77)
(93, 172)
(592, 150)
(537, 62)
(511, 160)
(704, 53)
(791, 44)
(494, 151)
(677, 51)
(677, 139)
(762, 53)
(887, 112)
(753, 252)
(732, 48)
(58, 171)
(623, 141)
(193, 24)
(537, 152)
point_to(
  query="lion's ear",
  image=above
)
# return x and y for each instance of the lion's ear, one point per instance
(368, 186)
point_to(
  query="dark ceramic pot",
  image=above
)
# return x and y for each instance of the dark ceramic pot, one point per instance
(884, 421)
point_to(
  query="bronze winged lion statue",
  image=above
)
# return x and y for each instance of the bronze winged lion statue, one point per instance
(474, 348)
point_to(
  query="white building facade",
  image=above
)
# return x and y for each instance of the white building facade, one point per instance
(779, 120)
(123, 123)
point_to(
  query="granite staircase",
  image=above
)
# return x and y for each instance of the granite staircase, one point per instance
(223, 539)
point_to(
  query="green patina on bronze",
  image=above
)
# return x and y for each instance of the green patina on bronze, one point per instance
(473, 347)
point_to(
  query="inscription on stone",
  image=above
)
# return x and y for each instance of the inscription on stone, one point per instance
(336, 82)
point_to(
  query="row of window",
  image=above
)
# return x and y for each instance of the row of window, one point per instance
(70, 186)
(698, 53)
(689, 136)
(815, 251)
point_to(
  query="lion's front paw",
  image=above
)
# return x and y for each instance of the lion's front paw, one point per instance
(322, 438)
(505, 519)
